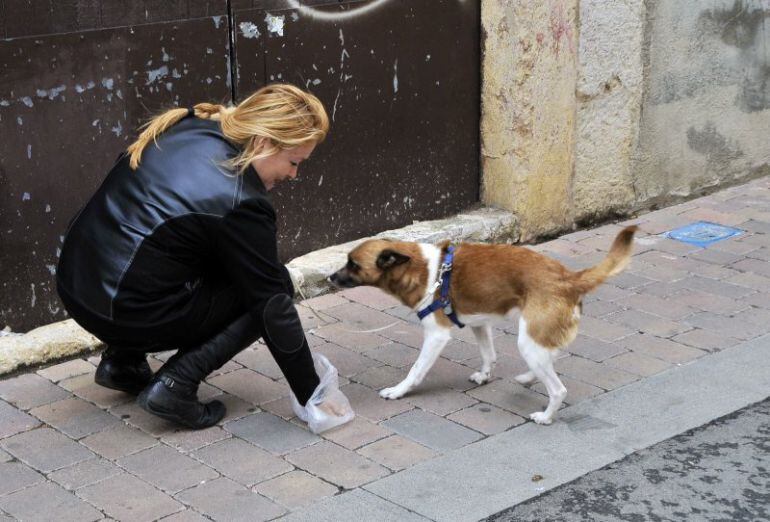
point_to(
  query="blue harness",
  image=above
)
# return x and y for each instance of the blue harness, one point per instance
(443, 302)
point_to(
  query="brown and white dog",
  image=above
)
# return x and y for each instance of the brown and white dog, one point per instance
(487, 282)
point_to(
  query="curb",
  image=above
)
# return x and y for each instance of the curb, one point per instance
(65, 339)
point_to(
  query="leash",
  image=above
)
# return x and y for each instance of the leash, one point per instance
(443, 302)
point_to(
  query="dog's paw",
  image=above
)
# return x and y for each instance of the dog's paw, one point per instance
(479, 377)
(541, 418)
(391, 393)
(525, 378)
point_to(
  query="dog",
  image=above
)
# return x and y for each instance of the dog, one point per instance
(487, 282)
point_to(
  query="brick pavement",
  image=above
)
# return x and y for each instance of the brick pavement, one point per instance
(82, 452)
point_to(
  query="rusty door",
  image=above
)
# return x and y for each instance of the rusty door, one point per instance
(400, 79)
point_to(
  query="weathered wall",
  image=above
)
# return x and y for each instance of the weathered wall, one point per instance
(529, 69)
(706, 108)
(661, 99)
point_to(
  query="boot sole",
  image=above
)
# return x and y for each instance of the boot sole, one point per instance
(171, 416)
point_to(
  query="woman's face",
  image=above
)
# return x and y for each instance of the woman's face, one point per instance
(282, 165)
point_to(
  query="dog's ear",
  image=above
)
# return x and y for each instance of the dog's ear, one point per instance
(390, 258)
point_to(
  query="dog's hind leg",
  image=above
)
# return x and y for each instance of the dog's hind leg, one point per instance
(483, 335)
(540, 362)
(436, 338)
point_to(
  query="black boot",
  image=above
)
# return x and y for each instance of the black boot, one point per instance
(123, 370)
(173, 394)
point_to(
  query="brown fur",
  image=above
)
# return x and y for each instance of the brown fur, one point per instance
(493, 279)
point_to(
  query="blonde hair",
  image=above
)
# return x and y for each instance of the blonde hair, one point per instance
(283, 114)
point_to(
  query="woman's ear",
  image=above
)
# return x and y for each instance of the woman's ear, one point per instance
(260, 144)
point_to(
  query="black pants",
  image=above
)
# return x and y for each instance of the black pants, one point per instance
(215, 305)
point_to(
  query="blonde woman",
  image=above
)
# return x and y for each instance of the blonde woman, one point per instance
(177, 250)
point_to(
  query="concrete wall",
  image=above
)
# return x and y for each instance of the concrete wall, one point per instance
(595, 108)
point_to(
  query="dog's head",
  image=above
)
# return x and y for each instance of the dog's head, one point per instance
(368, 263)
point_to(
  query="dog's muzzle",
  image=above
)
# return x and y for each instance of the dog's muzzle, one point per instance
(342, 280)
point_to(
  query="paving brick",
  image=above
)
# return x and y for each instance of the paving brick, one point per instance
(380, 377)
(599, 308)
(65, 370)
(669, 308)
(337, 465)
(648, 323)
(440, 401)
(486, 419)
(394, 354)
(29, 390)
(717, 257)
(15, 476)
(4, 456)
(711, 303)
(84, 473)
(603, 330)
(760, 253)
(313, 318)
(236, 407)
(84, 387)
(356, 433)
(368, 404)
(506, 344)
(242, 462)
(126, 498)
(259, 359)
(756, 316)
(135, 416)
(358, 317)
(347, 362)
(405, 333)
(13, 421)
(250, 386)
(505, 367)
(296, 489)
(712, 286)
(756, 226)
(186, 440)
(705, 340)
(759, 299)
(188, 515)
(166, 468)
(511, 397)
(431, 430)
(661, 273)
(405, 313)
(347, 336)
(45, 449)
(638, 364)
(397, 452)
(750, 280)
(223, 499)
(734, 246)
(324, 301)
(596, 374)
(594, 349)
(662, 349)
(42, 501)
(734, 326)
(75, 417)
(448, 374)
(271, 433)
(577, 391)
(460, 351)
(282, 408)
(756, 266)
(370, 296)
(118, 441)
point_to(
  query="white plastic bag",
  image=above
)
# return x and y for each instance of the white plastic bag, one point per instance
(327, 391)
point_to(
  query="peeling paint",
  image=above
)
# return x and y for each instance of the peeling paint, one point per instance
(275, 23)
(26, 196)
(118, 129)
(29, 151)
(26, 100)
(19, 120)
(217, 20)
(34, 296)
(156, 74)
(249, 30)
(108, 83)
(395, 77)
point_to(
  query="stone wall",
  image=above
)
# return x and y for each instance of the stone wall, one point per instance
(599, 108)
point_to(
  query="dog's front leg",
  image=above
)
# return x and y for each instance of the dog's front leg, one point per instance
(436, 338)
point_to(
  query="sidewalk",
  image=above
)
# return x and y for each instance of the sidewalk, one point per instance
(678, 339)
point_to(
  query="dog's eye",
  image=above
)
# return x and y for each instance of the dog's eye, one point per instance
(352, 266)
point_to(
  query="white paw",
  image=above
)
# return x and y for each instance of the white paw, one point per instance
(392, 393)
(479, 377)
(541, 418)
(525, 378)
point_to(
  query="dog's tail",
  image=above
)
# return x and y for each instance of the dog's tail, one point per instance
(615, 262)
